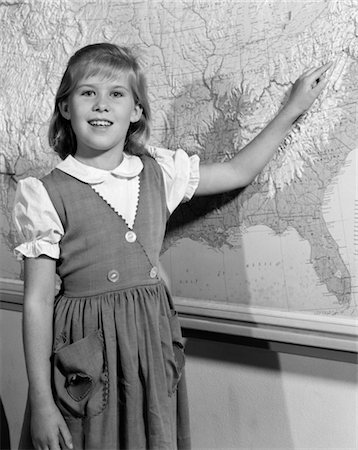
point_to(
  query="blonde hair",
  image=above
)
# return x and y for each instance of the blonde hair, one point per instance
(105, 59)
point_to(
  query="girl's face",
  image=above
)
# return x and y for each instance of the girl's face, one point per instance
(100, 111)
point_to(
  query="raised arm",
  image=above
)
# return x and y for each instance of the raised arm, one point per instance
(243, 168)
(48, 427)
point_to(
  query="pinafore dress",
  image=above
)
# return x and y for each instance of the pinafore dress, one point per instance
(118, 352)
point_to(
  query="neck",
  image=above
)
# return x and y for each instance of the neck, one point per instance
(104, 161)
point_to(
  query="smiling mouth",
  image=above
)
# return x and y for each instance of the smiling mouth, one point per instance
(100, 123)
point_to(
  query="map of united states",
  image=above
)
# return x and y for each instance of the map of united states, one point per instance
(217, 73)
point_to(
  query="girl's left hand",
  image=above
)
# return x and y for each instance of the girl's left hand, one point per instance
(306, 89)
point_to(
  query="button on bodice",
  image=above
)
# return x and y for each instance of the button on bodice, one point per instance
(113, 276)
(130, 236)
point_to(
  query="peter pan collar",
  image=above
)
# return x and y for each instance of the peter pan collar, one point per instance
(130, 167)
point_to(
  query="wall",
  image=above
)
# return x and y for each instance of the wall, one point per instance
(250, 398)
(241, 397)
(13, 382)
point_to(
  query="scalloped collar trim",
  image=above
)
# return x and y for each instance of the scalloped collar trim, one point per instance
(130, 167)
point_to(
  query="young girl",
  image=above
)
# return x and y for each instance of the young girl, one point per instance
(105, 355)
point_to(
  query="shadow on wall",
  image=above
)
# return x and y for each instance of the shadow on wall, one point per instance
(4, 429)
(230, 349)
(236, 394)
(233, 388)
(206, 231)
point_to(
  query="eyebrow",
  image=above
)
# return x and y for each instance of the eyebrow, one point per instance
(91, 85)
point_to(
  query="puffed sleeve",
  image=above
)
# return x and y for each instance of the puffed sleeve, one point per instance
(181, 174)
(38, 225)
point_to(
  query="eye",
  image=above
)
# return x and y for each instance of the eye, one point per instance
(88, 93)
(117, 94)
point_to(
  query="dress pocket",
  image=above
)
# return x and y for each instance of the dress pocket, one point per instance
(173, 350)
(81, 376)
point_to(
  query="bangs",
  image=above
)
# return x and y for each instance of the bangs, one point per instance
(108, 70)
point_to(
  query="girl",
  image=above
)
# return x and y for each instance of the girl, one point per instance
(105, 355)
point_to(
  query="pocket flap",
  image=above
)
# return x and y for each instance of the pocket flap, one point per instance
(84, 356)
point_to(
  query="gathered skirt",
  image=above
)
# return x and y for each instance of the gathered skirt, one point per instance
(118, 371)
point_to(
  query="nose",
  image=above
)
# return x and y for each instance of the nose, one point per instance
(100, 105)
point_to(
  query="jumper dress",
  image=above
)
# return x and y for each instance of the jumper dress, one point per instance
(118, 352)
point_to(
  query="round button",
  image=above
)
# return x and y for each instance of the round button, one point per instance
(154, 272)
(131, 236)
(113, 276)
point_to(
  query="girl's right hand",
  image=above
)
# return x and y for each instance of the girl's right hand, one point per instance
(49, 430)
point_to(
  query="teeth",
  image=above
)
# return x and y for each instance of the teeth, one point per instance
(100, 123)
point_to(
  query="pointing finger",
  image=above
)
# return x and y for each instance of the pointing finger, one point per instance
(317, 73)
(317, 77)
(308, 72)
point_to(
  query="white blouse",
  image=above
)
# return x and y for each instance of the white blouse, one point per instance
(39, 227)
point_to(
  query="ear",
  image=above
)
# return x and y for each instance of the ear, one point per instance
(64, 110)
(136, 113)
